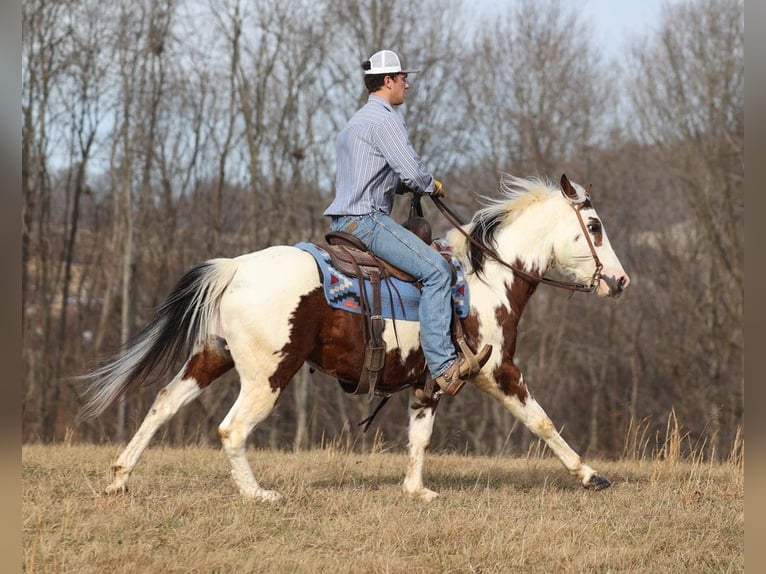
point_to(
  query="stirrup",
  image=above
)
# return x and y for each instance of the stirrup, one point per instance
(474, 361)
(453, 379)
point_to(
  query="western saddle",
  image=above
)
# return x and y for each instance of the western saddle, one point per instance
(351, 257)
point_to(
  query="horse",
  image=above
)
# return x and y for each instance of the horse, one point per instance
(222, 315)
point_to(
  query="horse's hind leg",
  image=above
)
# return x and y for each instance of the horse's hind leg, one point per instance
(197, 373)
(420, 430)
(255, 401)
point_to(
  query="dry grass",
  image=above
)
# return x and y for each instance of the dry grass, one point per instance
(344, 512)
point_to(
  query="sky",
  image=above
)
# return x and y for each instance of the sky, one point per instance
(614, 21)
(619, 20)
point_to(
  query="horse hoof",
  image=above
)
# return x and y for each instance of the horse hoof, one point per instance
(427, 495)
(113, 490)
(266, 495)
(423, 494)
(597, 482)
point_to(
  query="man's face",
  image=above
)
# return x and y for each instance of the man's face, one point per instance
(399, 86)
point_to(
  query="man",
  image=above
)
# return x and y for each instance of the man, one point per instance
(375, 157)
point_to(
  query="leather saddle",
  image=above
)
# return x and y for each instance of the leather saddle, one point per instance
(350, 256)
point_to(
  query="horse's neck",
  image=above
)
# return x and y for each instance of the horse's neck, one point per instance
(527, 241)
(520, 244)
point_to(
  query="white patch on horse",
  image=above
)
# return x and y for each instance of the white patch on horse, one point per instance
(253, 302)
(265, 292)
(405, 336)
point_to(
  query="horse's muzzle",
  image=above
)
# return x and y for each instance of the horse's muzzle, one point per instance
(615, 285)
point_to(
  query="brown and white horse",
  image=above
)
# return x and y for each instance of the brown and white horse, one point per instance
(223, 314)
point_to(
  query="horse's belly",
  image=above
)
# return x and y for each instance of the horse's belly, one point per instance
(340, 350)
(275, 305)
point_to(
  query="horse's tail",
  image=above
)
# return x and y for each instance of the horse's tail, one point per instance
(187, 318)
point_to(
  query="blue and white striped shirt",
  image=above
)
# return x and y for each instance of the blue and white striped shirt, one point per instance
(374, 153)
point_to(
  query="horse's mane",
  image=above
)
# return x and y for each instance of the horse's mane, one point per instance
(516, 195)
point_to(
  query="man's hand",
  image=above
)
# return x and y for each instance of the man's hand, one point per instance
(438, 189)
(401, 188)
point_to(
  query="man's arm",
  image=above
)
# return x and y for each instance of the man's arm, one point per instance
(397, 149)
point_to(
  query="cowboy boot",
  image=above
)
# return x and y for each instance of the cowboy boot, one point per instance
(453, 379)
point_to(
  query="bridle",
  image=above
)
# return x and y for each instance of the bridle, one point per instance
(455, 222)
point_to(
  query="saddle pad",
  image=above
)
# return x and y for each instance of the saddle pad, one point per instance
(398, 299)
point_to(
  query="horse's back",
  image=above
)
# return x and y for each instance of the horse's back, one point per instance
(278, 273)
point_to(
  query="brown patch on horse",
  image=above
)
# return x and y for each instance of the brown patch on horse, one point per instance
(339, 351)
(305, 322)
(571, 192)
(520, 291)
(332, 340)
(399, 374)
(206, 366)
(507, 374)
(471, 330)
(508, 377)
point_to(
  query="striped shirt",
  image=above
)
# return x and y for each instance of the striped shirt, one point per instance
(374, 154)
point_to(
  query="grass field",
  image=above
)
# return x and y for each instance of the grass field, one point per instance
(344, 513)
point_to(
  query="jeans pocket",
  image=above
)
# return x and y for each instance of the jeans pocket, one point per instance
(363, 228)
(340, 223)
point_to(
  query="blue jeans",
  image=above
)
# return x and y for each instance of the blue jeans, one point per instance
(399, 246)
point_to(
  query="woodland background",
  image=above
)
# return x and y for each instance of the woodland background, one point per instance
(159, 133)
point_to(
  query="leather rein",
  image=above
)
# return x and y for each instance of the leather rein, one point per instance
(455, 222)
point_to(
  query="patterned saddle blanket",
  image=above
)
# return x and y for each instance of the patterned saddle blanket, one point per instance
(399, 299)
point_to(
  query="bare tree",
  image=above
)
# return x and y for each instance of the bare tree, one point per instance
(41, 63)
(63, 65)
(537, 89)
(689, 96)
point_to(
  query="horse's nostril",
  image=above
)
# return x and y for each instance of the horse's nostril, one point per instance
(623, 282)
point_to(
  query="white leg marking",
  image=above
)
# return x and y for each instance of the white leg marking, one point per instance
(176, 394)
(253, 405)
(420, 429)
(536, 420)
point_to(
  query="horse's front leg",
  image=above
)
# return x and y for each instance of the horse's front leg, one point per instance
(420, 428)
(520, 403)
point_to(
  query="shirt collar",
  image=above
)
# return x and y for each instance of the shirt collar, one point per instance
(382, 101)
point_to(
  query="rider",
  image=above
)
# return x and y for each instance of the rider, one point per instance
(375, 157)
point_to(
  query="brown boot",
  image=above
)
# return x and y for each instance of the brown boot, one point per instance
(453, 379)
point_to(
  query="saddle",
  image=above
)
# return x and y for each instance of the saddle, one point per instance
(351, 257)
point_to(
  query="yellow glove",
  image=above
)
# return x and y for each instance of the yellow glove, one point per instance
(438, 189)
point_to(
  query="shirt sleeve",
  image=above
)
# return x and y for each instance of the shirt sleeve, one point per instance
(394, 143)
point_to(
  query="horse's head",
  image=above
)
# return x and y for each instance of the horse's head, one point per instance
(581, 247)
(534, 227)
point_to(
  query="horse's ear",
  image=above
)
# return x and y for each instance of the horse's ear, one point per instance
(589, 189)
(567, 188)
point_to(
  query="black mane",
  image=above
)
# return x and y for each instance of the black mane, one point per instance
(483, 230)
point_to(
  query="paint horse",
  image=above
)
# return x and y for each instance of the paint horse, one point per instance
(222, 315)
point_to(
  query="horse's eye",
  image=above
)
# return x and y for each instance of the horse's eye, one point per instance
(594, 227)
